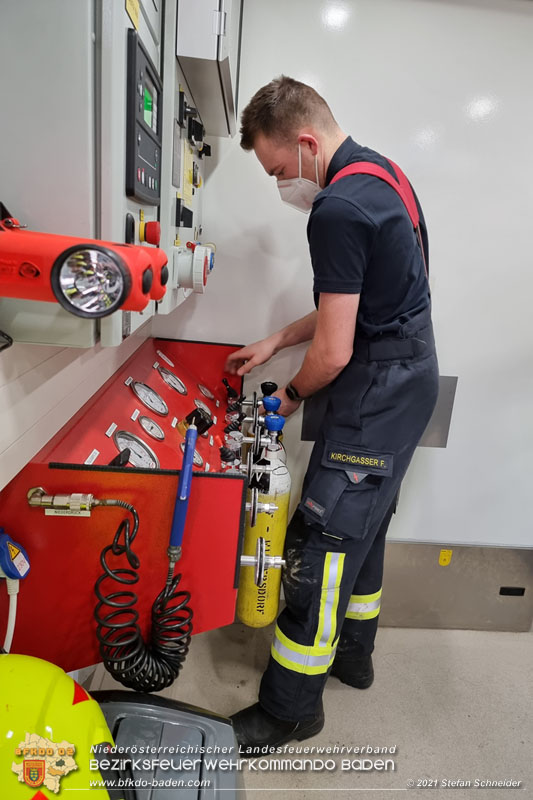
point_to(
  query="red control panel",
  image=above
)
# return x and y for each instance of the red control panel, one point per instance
(56, 601)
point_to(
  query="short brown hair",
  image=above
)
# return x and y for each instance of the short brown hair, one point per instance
(280, 107)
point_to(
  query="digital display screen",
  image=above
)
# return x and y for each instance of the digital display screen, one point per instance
(150, 105)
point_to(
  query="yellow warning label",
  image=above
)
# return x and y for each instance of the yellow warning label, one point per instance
(13, 551)
(445, 557)
(187, 176)
(132, 7)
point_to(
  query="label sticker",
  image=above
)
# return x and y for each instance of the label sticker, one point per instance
(174, 422)
(165, 358)
(345, 457)
(64, 512)
(111, 430)
(314, 506)
(155, 364)
(128, 381)
(13, 551)
(445, 556)
(91, 458)
(135, 414)
(132, 8)
(21, 564)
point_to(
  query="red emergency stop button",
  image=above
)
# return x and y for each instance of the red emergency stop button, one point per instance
(150, 232)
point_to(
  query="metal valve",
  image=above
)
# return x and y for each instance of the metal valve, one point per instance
(255, 507)
(261, 561)
(75, 502)
(254, 469)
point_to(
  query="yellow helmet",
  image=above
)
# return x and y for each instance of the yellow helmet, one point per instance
(48, 725)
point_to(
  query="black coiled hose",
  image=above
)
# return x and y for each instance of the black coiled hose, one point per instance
(132, 662)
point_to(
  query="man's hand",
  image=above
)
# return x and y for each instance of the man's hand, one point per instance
(287, 406)
(244, 360)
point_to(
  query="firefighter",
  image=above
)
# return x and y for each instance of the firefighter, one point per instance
(372, 352)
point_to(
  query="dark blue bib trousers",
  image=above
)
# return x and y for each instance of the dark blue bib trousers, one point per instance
(378, 409)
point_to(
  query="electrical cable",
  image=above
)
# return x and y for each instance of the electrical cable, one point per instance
(12, 590)
(135, 664)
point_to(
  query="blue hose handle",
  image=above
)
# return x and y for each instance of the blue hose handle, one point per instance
(184, 489)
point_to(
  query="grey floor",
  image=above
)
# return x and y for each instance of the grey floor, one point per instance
(455, 704)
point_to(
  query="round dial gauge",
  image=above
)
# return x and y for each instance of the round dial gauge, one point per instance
(149, 398)
(202, 405)
(140, 454)
(152, 428)
(172, 380)
(205, 391)
(197, 459)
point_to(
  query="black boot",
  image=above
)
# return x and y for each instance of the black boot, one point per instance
(357, 672)
(352, 665)
(258, 732)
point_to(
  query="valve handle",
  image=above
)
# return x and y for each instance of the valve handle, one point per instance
(274, 422)
(231, 392)
(271, 404)
(268, 388)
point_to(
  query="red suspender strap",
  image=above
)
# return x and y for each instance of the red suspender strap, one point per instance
(401, 186)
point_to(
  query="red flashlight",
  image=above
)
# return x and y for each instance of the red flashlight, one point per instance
(160, 270)
(88, 277)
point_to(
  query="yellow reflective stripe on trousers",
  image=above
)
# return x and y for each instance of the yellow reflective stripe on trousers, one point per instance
(364, 606)
(315, 659)
(329, 599)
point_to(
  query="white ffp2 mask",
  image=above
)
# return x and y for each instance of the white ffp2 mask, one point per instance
(300, 192)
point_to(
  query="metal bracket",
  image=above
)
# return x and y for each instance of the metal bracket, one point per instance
(261, 561)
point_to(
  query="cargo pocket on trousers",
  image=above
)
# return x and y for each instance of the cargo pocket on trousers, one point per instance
(342, 508)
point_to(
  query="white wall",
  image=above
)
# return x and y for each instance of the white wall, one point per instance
(443, 88)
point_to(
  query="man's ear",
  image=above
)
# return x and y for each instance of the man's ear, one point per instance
(309, 141)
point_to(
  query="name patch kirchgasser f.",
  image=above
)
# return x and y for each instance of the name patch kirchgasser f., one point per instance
(360, 459)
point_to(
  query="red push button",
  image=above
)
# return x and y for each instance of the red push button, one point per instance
(152, 233)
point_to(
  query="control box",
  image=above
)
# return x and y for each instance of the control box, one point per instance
(143, 128)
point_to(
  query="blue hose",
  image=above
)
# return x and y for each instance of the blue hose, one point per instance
(184, 489)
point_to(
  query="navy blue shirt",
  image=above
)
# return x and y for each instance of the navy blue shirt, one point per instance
(361, 241)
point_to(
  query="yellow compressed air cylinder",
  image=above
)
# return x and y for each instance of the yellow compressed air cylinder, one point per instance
(257, 606)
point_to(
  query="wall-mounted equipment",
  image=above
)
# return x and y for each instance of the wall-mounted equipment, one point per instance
(208, 50)
(139, 413)
(86, 169)
(89, 278)
(143, 127)
(165, 410)
(193, 265)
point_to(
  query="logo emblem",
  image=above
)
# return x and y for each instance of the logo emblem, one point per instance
(44, 762)
(34, 772)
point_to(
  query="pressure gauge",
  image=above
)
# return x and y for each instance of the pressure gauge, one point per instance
(197, 459)
(202, 405)
(149, 398)
(172, 380)
(140, 454)
(152, 428)
(205, 391)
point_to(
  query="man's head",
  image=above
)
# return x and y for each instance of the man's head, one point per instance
(282, 115)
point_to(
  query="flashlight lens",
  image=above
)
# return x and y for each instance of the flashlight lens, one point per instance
(92, 281)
